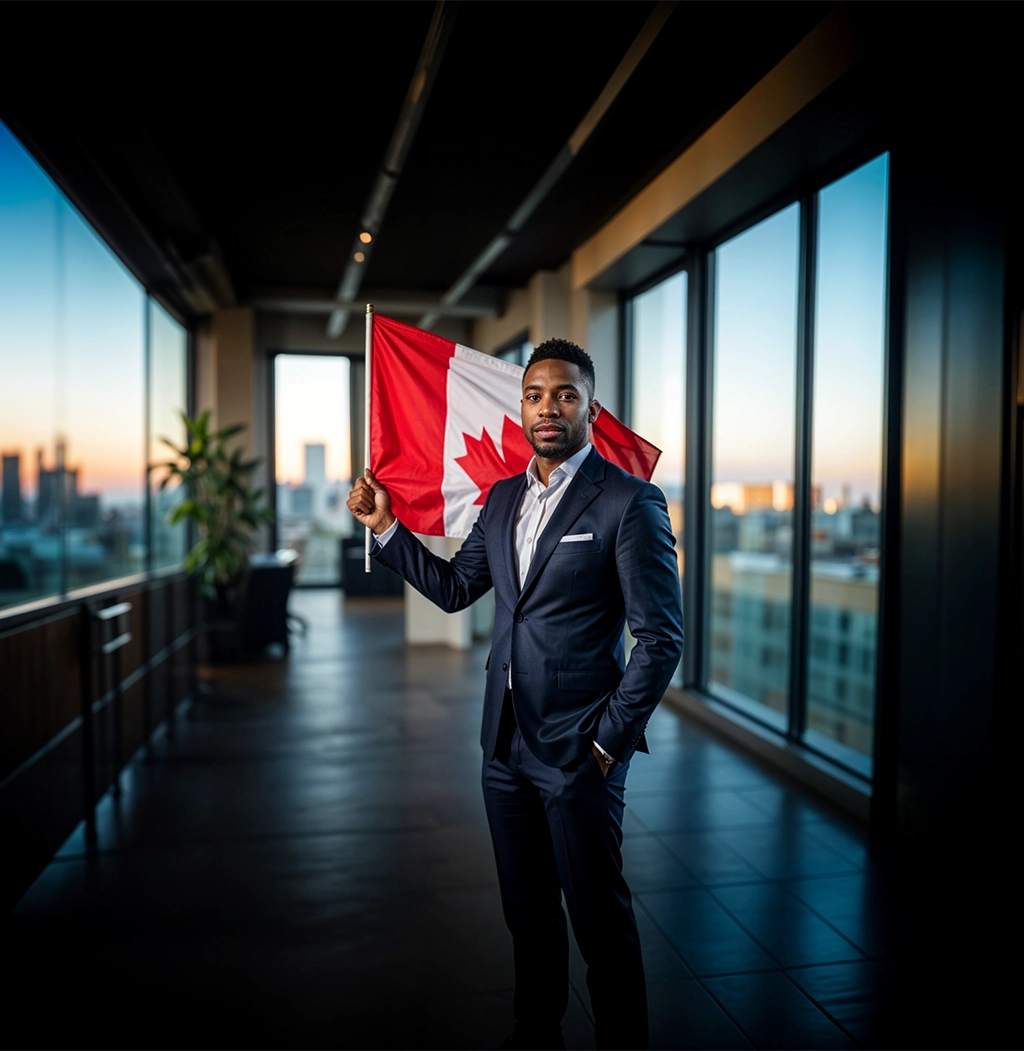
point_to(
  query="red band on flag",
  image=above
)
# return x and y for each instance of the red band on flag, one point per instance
(408, 409)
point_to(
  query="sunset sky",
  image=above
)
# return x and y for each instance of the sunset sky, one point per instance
(312, 394)
(755, 348)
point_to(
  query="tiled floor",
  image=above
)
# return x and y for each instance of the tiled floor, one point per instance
(306, 863)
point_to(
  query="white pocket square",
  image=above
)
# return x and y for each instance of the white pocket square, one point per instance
(576, 536)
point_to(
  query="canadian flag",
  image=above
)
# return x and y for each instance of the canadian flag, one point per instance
(445, 426)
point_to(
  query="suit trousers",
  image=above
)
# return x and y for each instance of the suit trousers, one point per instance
(558, 831)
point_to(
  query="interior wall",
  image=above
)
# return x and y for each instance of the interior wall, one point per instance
(489, 334)
(550, 307)
(950, 223)
(232, 342)
(596, 325)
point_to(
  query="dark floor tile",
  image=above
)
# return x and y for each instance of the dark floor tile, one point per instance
(858, 905)
(696, 810)
(702, 932)
(856, 995)
(305, 861)
(789, 803)
(476, 1020)
(844, 839)
(709, 859)
(631, 824)
(773, 1013)
(577, 1025)
(785, 852)
(784, 926)
(661, 960)
(649, 865)
(683, 1015)
(680, 772)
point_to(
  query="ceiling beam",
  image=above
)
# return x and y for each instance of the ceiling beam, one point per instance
(831, 49)
(558, 166)
(391, 302)
(390, 171)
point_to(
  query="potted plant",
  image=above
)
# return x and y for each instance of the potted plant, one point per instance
(221, 502)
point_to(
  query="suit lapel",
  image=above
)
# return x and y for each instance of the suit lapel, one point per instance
(508, 532)
(581, 493)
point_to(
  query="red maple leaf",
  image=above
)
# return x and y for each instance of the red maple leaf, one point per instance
(484, 464)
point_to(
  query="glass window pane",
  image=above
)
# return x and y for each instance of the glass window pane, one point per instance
(71, 400)
(846, 462)
(168, 398)
(659, 391)
(31, 327)
(313, 462)
(101, 400)
(754, 372)
(518, 352)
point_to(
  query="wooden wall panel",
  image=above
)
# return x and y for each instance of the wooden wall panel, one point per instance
(41, 772)
(39, 687)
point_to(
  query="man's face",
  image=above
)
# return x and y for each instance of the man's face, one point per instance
(557, 410)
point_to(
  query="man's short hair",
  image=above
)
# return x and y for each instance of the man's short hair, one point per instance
(563, 350)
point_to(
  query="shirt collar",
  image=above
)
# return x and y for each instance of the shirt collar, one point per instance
(568, 469)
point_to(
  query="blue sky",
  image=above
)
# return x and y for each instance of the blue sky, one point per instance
(71, 336)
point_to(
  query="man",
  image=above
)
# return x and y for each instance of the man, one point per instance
(574, 548)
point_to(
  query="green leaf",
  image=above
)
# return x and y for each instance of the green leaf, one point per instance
(186, 509)
(229, 432)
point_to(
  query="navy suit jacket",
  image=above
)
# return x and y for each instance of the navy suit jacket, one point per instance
(563, 632)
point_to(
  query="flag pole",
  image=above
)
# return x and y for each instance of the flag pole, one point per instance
(367, 384)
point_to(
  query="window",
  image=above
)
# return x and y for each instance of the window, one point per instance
(73, 439)
(658, 391)
(313, 462)
(517, 351)
(846, 446)
(168, 399)
(101, 441)
(752, 455)
(759, 434)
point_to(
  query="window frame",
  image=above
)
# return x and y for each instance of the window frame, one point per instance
(273, 530)
(699, 262)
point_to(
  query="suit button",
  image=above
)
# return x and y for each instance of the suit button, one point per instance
(520, 618)
(504, 667)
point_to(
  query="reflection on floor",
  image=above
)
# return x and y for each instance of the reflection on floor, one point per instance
(305, 862)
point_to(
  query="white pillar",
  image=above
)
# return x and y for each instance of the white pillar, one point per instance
(425, 624)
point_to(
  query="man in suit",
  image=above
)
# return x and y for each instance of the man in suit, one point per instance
(575, 548)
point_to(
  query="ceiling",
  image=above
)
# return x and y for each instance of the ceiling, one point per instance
(253, 134)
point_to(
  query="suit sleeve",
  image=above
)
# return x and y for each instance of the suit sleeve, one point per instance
(451, 585)
(648, 574)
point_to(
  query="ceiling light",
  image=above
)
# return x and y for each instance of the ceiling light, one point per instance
(366, 237)
(359, 257)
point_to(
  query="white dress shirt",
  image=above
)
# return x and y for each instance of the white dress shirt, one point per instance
(535, 511)
(538, 505)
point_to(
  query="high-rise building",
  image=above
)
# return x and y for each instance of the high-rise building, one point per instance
(57, 489)
(11, 505)
(316, 465)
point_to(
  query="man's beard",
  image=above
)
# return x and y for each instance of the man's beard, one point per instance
(555, 450)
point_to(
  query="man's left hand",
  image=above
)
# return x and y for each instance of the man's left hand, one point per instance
(601, 761)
